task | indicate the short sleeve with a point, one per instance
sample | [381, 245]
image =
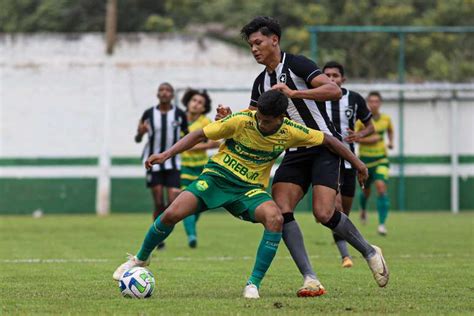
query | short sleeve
[363, 113]
[223, 129]
[146, 115]
[257, 88]
[302, 136]
[390, 125]
[184, 123]
[304, 68]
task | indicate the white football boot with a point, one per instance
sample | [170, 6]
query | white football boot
[251, 291]
[130, 263]
[379, 267]
[311, 288]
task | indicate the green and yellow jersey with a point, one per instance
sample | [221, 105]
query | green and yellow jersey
[196, 158]
[247, 154]
[376, 153]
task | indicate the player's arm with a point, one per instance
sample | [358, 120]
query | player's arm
[210, 144]
[323, 90]
[372, 139]
[356, 136]
[338, 147]
[390, 135]
[185, 143]
[143, 126]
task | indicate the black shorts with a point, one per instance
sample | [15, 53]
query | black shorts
[348, 181]
[316, 166]
[168, 178]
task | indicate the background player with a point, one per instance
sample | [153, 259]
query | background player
[373, 152]
[307, 88]
[236, 176]
[344, 113]
[164, 124]
[198, 104]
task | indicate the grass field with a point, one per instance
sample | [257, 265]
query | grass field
[64, 265]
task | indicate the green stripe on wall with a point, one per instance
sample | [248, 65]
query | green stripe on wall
[23, 196]
[86, 161]
[136, 161]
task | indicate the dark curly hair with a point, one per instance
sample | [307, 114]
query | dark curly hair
[273, 103]
[190, 93]
[263, 24]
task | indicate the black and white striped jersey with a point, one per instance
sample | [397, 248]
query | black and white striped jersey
[166, 130]
[345, 112]
[297, 72]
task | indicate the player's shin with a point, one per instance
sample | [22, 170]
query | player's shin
[340, 224]
[382, 208]
[157, 233]
[293, 239]
[265, 254]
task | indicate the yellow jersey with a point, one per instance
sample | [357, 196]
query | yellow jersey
[249, 155]
[378, 149]
[196, 158]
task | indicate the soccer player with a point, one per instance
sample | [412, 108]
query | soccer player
[236, 176]
[344, 113]
[307, 88]
[164, 124]
[198, 104]
[373, 152]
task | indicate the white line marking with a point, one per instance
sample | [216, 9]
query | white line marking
[223, 258]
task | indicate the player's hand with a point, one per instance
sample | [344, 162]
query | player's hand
[143, 128]
[282, 87]
[352, 137]
[156, 159]
[362, 175]
[390, 145]
[222, 111]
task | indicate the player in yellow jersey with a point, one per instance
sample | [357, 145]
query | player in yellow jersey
[235, 178]
[198, 104]
[373, 152]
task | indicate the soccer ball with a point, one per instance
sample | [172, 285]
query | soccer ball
[137, 282]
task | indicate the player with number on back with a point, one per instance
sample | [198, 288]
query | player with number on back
[235, 178]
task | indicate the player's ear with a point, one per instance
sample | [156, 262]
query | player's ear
[275, 40]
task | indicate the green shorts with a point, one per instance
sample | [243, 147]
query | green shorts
[379, 168]
[189, 174]
[240, 199]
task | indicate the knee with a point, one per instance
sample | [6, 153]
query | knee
[323, 215]
[274, 220]
[169, 218]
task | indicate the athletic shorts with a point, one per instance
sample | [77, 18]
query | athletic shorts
[348, 182]
[239, 199]
[189, 174]
[168, 178]
[378, 172]
[316, 166]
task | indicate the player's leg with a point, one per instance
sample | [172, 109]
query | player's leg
[270, 216]
[289, 186]
[189, 174]
[155, 181]
[383, 202]
[364, 197]
[185, 204]
[325, 182]
[340, 242]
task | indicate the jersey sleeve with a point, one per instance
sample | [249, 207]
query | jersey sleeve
[256, 89]
[363, 113]
[184, 123]
[146, 115]
[305, 68]
[301, 136]
[224, 128]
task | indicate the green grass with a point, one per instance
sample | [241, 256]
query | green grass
[430, 256]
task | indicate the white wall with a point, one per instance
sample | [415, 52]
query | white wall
[52, 93]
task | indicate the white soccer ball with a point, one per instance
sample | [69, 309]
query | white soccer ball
[137, 282]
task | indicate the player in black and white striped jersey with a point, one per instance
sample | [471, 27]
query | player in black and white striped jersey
[164, 124]
[307, 88]
[344, 113]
